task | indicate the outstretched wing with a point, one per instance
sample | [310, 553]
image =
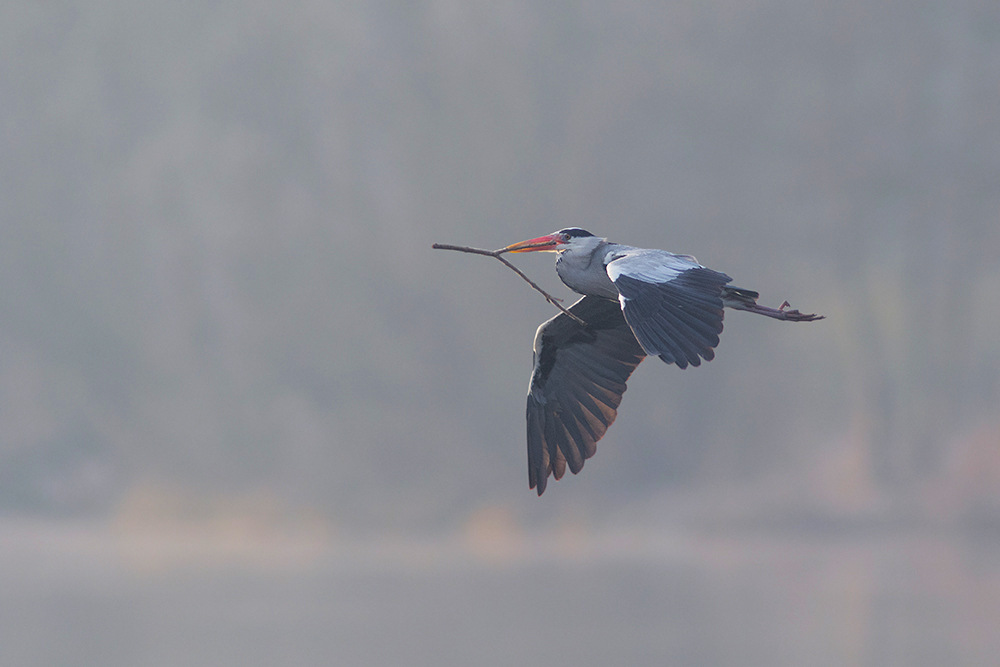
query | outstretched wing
[576, 386]
[672, 303]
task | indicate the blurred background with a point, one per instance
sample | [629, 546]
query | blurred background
[248, 416]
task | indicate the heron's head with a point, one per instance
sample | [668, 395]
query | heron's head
[569, 239]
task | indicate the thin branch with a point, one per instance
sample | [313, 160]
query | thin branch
[496, 253]
[462, 248]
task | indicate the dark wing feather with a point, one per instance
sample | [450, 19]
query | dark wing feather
[576, 386]
[678, 319]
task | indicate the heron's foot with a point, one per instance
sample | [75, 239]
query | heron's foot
[795, 316]
[782, 313]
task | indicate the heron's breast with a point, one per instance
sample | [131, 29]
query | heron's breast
[586, 278]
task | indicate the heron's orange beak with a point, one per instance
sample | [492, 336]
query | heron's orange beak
[542, 243]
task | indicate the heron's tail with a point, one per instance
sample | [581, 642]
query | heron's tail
[738, 298]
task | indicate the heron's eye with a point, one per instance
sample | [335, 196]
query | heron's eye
[565, 238]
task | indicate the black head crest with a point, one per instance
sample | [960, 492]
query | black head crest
[575, 232]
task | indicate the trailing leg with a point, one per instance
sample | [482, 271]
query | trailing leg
[744, 299]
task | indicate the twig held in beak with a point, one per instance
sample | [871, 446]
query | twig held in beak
[496, 253]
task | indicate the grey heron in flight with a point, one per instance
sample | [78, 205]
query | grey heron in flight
[636, 302]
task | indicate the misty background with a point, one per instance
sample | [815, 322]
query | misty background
[223, 331]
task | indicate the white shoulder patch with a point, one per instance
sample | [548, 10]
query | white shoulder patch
[612, 255]
[650, 266]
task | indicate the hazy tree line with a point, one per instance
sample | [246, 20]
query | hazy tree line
[216, 218]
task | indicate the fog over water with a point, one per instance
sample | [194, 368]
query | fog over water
[630, 597]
